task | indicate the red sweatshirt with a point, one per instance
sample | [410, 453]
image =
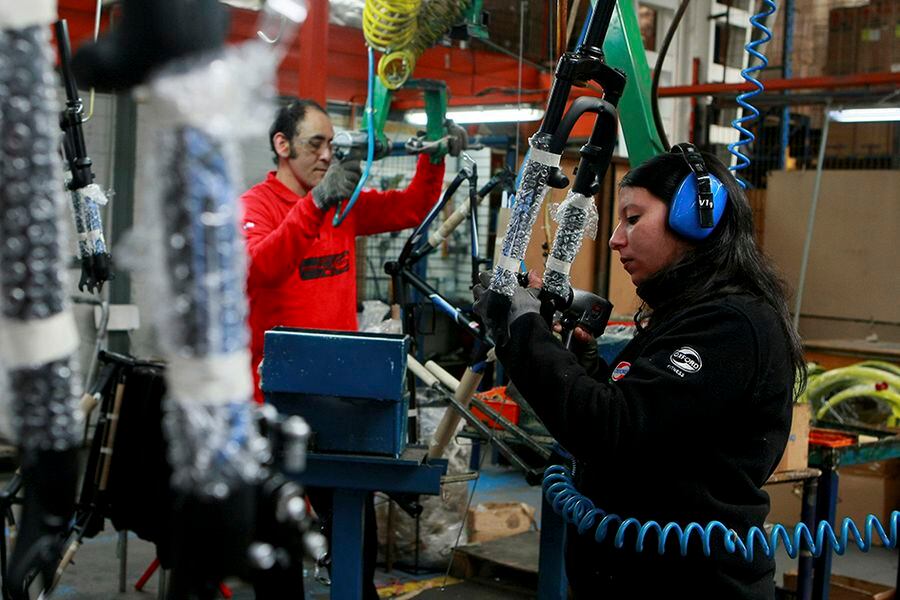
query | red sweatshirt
[302, 269]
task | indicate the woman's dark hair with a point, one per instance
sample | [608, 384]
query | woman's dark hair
[728, 261]
[292, 112]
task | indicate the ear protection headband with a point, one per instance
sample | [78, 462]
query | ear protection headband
[700, 201]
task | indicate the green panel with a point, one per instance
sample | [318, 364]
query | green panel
[436, 112]
[381, 105]
[624, 49]
[473, 19]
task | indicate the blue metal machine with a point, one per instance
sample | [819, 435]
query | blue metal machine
[351, 389]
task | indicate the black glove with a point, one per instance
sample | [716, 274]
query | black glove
[458, 139]
[338, 184]
[586, 353]
[498, 312]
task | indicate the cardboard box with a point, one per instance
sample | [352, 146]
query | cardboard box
[842, 587]
[493, 520]
[785, 500]
[874, 139]
[841, 140]
[886, 469]
[872, 488]
[869, 489]
[874, 51]
[843, 32]
[796, 453]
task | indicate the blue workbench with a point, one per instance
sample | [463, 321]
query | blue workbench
[353, 477]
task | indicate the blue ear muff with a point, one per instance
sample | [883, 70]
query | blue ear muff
[684, 212]
[699, 203]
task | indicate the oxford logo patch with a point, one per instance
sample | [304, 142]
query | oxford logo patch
[686, 359]
[620, 371]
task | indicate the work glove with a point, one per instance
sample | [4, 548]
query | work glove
[457, 138]
[584, 347]
[338, 184]
[498, 312]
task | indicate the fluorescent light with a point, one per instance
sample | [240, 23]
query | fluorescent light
[478, 114]
[295, 10]
[865, 115]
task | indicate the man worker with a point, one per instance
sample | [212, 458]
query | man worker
[302, 269]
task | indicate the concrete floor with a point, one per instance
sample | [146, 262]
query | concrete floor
[94, 573]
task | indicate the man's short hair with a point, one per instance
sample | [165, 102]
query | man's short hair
[291, 112]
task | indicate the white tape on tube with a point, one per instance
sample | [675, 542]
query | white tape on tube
[581, 201]
[543, 157]
[509, 263]
[93, 236]
[447, 227]
[37, 341]
[560, 266]
[215, 379]
[93, 192]
[19, 14]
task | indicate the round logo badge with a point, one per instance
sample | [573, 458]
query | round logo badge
[620, 371]
[687, 359]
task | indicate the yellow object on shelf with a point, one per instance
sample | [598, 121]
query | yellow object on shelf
[389, 24]
[403, 29]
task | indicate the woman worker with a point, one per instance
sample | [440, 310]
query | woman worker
[692, 417]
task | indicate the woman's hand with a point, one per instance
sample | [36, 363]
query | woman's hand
[497, 311]
[584, 347]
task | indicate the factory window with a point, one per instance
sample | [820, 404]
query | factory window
[728, 46]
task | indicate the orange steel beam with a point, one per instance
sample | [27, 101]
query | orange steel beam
[312, 70]
[795, 83]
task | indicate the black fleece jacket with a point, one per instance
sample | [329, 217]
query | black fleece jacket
[687, 425]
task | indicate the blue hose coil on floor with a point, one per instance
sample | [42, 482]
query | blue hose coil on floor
[746, 136]
[578, 511]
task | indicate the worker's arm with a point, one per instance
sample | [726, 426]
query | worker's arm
[652, 401]
[378, 212]
[275, 249]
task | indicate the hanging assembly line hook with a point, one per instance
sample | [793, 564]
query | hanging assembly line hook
[262, 35]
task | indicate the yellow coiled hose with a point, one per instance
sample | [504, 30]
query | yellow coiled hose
[404, 29]
[390, 24]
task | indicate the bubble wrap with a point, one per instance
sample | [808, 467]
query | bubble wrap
[38, 337]
[88, 224]
[577, 216]
[442, 519]
[529, 198]
[196, 258]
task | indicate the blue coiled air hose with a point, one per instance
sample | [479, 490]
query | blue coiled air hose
[579, 511]
[751, 113]
[340, 215]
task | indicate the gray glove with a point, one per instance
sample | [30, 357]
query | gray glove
[338, 184]
[458, 139]
[524, 301]
[498, 312]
